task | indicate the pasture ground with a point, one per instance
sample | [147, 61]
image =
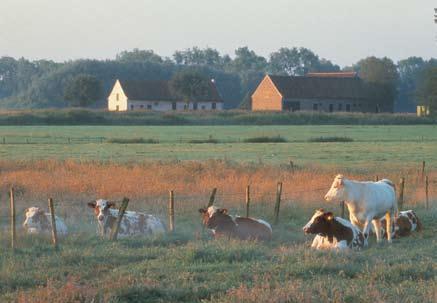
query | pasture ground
[371, 145]
[188, 266]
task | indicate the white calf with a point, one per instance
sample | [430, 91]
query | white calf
[133, 223]
[367, 202]
[37, 221]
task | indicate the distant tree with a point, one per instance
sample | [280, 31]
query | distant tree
[196, 56]
[382, 75]
[83, 90]
[427, 89]
[247, 60]
[190, 86]
[409, 72]
[137, 55]
[298, 62]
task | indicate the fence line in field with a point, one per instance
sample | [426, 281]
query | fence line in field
[275, 197]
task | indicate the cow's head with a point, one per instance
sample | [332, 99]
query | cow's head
[212, 216]
[337, 191]
[101, 210]
[320, 223]
[36, 220]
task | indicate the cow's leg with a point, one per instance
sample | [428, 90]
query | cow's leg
[388, 218]
[366, 228]
[377, 225]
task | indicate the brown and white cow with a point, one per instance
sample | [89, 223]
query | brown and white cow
[406, 222]
[38, 221]
[223, 225]
[133, 223]
[334, 232]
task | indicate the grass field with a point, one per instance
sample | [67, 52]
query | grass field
[371, 145]
[188, 266]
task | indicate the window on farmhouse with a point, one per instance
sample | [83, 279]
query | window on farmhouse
[195, 106]
[142, 106]
[149, 106]
[214, 105]
[132, 107]
[117, 97]
[348, 107]
[340, 106]
[203, 107]
[315, 106]
[331, 108]
[173, 106]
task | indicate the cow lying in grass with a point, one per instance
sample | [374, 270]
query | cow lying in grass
[133, 223]
[39, 222]
[367, 202]
[333, 232]
[406, 222]
[223, 225]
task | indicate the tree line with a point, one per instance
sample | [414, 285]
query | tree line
[45, 83]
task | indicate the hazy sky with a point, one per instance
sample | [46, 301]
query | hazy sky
[343, 31]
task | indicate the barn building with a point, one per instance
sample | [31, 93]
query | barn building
[157, 96]
[328, 92]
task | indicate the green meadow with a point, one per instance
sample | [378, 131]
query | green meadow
[367, 145]
[190, 267]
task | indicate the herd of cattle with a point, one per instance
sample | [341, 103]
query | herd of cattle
[372, 209]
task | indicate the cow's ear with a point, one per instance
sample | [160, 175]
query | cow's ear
[202, 210]
[329, 216]
[92, 204]
[223, 211]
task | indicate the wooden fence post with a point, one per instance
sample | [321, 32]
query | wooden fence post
[278, 201]
[247, 200]
[13, 229]
[342, 209]
[426, 193]
[423, 170]
[292, 166]
[53, 223]
[121, 211]
[376, 178]
[171, 211]
[401, 193]
[212, 197]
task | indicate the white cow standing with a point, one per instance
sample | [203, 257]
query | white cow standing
[367, 202]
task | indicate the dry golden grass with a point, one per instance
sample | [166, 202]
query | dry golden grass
[71, 180]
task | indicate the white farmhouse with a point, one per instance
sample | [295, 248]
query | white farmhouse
[157, 96]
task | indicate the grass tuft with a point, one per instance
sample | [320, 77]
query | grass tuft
[330, 139]
[132, 141]
[266, 139]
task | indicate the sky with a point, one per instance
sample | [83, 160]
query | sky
[342, 31]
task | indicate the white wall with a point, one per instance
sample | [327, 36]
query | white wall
[117, 100]
[168, 106]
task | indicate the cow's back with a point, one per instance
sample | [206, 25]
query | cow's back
[248, 228]
[374, 197]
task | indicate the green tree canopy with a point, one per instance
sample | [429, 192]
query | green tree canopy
[190, 85]
[427, 89]
[137, 55]
[83, 90]
[382, 76]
